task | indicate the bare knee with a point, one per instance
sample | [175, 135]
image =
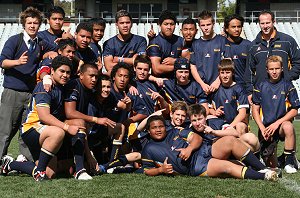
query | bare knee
[241, 128]
[288, 128]
[251, 141]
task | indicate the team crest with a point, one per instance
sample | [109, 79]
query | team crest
[172, 53]
[192, 97]
[244, 54]
[235, 57]
[277, 46]
[131, 52]
[217, 50]
[282, 92]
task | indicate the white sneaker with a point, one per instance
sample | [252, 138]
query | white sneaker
[277, 170]
[271, 176]
[290, 169]
[82, 175]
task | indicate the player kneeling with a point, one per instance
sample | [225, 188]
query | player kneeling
[44, 130]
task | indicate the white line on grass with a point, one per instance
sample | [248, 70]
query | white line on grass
[290, 184]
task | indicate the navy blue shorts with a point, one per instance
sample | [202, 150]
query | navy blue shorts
[200, 160]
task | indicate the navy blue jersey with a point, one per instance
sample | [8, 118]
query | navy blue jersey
[138, 106]
[155, 152]
[238, 53]
[282, 45]
[52, 99]
[76, 92]
[96, 48]
[191, 93]
[49, 37]
[163, 47]
[206, 55]
[127, 49]
[274, 99]
[143, 88]
[87, 55]
[232, 99]
[22, 77]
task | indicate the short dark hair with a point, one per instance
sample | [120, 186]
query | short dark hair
[97, 21]
[166, 14]
[154, 118]
[85, 66]
[196, 109]
[55, 9]
[230, 18]
[267, 12]
[84, 26]
[189, 21]
[122, 13]
[124, 66]
[98, 86]
[226, 64]
[206, 14]
[63, 43]
[31, 12]
[142, 59]
[59, 61]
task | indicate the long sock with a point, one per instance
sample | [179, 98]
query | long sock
[24, 167]
[289, 156]
[248, 173]
[121, 161]
[44, 159]
[115, 150]
[251, 160]
[78, 149]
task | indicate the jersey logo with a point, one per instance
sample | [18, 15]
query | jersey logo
[233, 97]
[258, 49]
[235, 57]
[179, 48]
[207, 55]
[244, 54]
[74, 97]
[277, 46]
[131, 52]
[217, 50]
[192, 97]
[172, 53]
[141, 96]
[282, 92]
[274, 97]
[173, 148]
[226, 101]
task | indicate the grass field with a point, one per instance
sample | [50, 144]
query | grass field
[135, 185]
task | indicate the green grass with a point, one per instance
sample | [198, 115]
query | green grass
[134, 185]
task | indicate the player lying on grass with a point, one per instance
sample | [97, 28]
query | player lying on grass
[44, 129]
[140, 137]
[271, 97]
[185, 152]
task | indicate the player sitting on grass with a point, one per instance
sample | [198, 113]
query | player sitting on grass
[230, 103]
[44, 130]
[185, 152]
[271, 98]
